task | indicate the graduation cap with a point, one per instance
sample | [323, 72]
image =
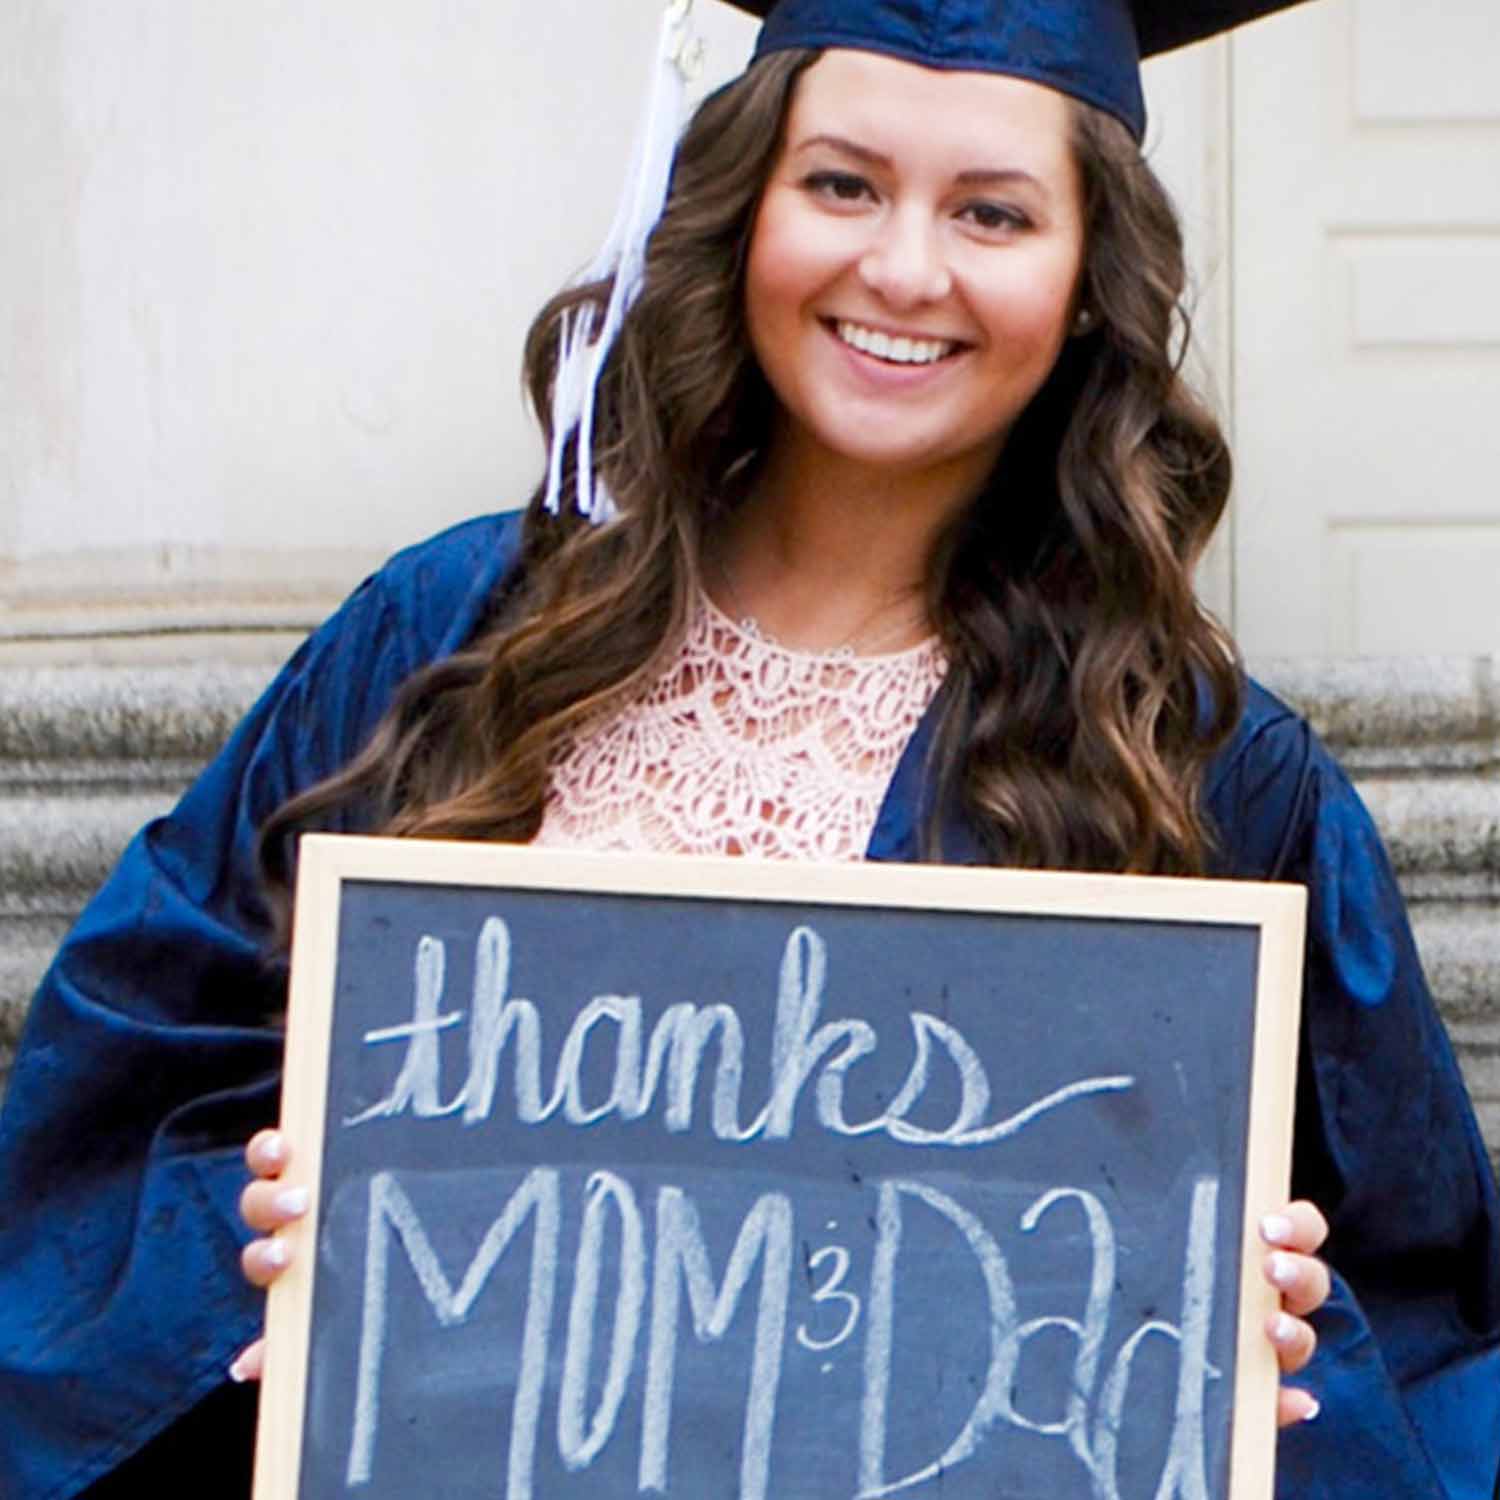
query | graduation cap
[1088, 49]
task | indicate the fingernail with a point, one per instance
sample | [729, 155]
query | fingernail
[237, 1371]
[291, 1203]
[1312, 1411]
[1276, 1229]
[273, 1149]
[1284, 1271]
[275, 1254]
[1283, 1328]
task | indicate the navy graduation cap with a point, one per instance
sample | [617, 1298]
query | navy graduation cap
[1089, 49]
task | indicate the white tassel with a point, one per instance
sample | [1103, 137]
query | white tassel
[583, 348]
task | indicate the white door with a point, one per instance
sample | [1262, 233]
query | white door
[1366, 328]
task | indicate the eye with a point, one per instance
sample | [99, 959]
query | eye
[838, 187]
[995, 217]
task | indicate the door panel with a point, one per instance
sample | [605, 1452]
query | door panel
[1367, 328]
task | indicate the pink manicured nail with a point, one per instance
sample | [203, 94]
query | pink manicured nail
[1283, 1329]
[1284, 1270]
[1311, 1412]
[291, 1203]
[237, 1371]
[275, 1254]
[1276, 1229]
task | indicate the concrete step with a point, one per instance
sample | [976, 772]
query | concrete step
[109, 727]
[55, 850]
[1436, 715]
[1394, 714]
[1477, 1044]
[1460, 947]
[1443, 833]
[26, 948]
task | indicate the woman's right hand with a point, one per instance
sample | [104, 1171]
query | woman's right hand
[266, 1206]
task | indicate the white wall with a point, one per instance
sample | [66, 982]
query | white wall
[265, 269]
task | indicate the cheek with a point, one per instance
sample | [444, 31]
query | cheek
[1037, 315]
[779, 281]
[773, 280]
[763, 281]
[794, 257]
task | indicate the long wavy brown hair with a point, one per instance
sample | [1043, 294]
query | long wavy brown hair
[1087, 687]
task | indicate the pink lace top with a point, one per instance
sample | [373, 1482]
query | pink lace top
[744, 746]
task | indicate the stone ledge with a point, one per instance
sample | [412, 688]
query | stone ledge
[98, 779]
[1460, 948]
[264, 650]
[1477, 1046]
[67, 717]
[1447, 829]
[1438, 713]
[63, 824]
[1429, 713]
[55, 851]
[25, 952]
[1435, 713]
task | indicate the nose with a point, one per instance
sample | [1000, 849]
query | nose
[905, 265]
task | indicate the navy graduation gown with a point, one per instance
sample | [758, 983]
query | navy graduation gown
[148, 1060]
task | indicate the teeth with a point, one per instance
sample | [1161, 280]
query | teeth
[899, 351]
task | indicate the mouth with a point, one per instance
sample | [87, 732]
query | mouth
[893, 349]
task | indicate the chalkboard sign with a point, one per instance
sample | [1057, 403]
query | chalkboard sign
[713, 1178]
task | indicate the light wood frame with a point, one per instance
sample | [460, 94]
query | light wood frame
[328, 862]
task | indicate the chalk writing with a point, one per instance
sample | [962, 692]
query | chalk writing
[802, 1216]
[1095, 1400]
[832, 1290]
[672, 1058]
[391, 1211]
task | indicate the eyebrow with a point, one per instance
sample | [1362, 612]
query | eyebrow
[972, 177]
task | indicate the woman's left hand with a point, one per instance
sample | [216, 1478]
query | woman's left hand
[1295, 1235]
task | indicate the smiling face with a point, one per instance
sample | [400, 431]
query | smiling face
[914, 265]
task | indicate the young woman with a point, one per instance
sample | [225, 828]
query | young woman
[905, 494]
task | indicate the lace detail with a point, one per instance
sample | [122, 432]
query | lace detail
[744, 747]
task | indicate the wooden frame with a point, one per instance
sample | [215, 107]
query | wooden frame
[331, 866]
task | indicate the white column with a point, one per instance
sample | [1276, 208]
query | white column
[1187, 141]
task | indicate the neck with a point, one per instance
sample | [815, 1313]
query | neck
[825, 553]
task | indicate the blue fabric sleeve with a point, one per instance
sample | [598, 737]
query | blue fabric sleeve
[151, 1053]
[1408, 1364]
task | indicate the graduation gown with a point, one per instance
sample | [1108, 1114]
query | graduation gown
[147, 1062]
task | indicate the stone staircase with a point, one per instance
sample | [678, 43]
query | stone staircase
[1421, 738]
[90, 752]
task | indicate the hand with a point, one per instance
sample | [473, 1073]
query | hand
[1295, 1235]
[266, 1206]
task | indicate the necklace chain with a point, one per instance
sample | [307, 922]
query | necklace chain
[843, 650]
